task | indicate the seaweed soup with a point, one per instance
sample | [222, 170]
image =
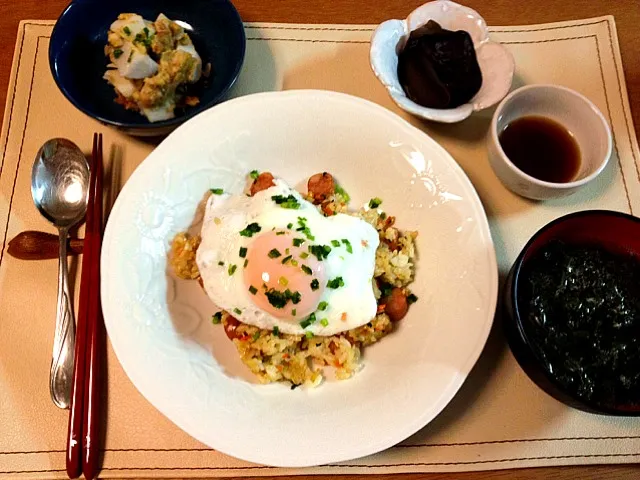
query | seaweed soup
[580, 308]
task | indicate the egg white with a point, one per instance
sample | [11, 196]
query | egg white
[226, 215]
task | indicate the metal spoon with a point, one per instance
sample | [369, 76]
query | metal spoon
[59, 186]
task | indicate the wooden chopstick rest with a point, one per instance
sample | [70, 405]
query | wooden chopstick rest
[34, 245]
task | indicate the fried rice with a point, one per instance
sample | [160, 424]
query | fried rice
[273, 356]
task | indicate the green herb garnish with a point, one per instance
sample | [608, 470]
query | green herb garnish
[322, 306]
[298, 241]
[242, 252]
[304, 255]
[246, 262]
[216, 318]
[279, 299]
[335, 243]
[117, 52]
[254, 174]
[221, 263]
[276, 331]
[256, 335]
[308, 334]
[250, 230]
[320, 251]
[315, 284]
[286, 259]
[335, 283]
[375, 202]
[347, 244]
[289, 201]
[253, 290]
[216, 191]
[293, 312]
[237, 310]
[308, 321]
[341, 191]
[306, 269]
[232, 269]
[289, 226]
[302, 227]
[274, 253]
[324, 322]
[126, 30]
[411, 298]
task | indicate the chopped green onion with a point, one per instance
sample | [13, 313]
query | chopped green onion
[385, 290]
[304, 255]
[335, 243]
[341, 191]
[286, 251]
[283, 281]
[293, 312]
[308, 334]
[117, 52]
[383, 215]
[281, 233]
[250, 230]
[320, 251]
[286, 259]
[289, 226]
[237, 310]
[253, 290]
[126, 30]
[256, 335]
[294, 263]
[306, 269]
[246, 262]
[242, 252]
[315, 284]
[289, 201]
[254, 174]
[322, 306]
[347, 244]
[216, 318]
[375, 202]
[298, 241]
[324, 322]
[308, 321]
[276, 331]
[216, 191]
[130, 56]
[274, 253]
[221, 263]
[280, 299]
[232, 269]
[302, 227]
[412, 299]
[335, 283]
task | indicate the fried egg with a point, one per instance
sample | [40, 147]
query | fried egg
[274, 261]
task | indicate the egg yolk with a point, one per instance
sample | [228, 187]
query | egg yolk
[282, 277]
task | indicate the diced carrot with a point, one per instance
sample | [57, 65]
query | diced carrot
[343, 317]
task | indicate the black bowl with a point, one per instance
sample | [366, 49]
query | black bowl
[77, 60]
[615, 232]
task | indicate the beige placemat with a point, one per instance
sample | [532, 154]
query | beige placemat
[499, 419]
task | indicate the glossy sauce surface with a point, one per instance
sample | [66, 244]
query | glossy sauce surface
[542, 148]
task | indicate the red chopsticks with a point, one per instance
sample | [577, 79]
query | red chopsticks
[83, 440]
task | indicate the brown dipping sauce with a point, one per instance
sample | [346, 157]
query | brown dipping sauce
[542, 148]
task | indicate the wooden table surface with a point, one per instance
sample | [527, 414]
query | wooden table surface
[496, 12]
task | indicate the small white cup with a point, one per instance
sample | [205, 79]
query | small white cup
[571, 110]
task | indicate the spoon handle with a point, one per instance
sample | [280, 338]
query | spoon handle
[61, 374]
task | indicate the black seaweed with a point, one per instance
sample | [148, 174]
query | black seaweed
[438, 68]
[581, 309]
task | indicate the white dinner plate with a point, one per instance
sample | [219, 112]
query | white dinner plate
[186, 367]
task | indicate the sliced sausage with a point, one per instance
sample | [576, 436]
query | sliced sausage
[321, 186]
[264, 181]
[230, 326]
[396, 304]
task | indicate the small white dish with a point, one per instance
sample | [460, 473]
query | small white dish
[160, 326]
[570, 109]
[496, 62]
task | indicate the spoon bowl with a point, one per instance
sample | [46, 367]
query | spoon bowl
[59, 187]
